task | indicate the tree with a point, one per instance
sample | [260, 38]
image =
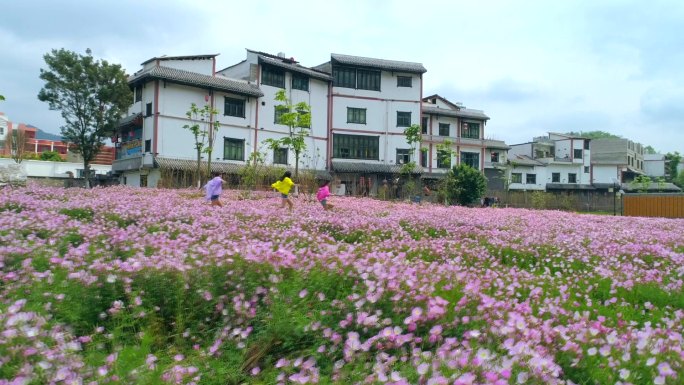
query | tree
[641, 183]
[92, 96]
[2, 98]
[680, 179]
[413, 138]
[593, 134]
[203, 129]
[650, 150]
[465, 184]
[16, 142]
[297, 117]
[672, 160]
[52, 156]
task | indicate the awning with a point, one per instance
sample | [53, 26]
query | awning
[132, 120]
[191, 165]
[370, 167]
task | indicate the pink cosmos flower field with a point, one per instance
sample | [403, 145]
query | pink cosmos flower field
[145, 286]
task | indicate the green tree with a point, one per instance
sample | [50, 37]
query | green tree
[672, 160]
[297, 117]
[641, 183]
[92, 95]
[679, 181]
[2, 98]
[465, 185]
[413, 138]
[16, 142]
[52, 156]
[593, 134]
[203, 127]
[650, 150]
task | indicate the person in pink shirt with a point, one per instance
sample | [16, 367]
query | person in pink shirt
[323, 194]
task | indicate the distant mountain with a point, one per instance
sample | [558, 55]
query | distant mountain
[40, 134]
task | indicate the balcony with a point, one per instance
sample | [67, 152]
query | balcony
[499, 165]
[456, 141]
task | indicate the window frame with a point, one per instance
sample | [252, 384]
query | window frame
[303, 79]
[279, 154]
[352, 110]
[555, 177]
[494, 156]
[516, 177]
[149, 110]
[467, 131]
[443, 126]
[401, 117]
[278, 112]
[368, 80]
[574, 176]
[364, 147]
[442, 161]
[236, 103]
[424, 124]
[578, 151]
[532, 180]
[466, 158]
[272, 76]
[403, 154]
[424, 158]
[402, 81]
[236, 142]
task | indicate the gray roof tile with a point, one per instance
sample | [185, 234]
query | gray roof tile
[191, 165]
[462, 113]
[389, 65]
[195, 79]
[339, 165]
[295, 68]
[184, 57]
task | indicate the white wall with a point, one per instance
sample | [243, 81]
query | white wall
[45, 169]
[606, 173]
[539, 171]
[202, 66]
[388, 88]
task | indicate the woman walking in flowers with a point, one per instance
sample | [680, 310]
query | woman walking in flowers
[214, 188]
[323, 194]
[283, 186]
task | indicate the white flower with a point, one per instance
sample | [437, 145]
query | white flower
[624, 374]
[591, 351]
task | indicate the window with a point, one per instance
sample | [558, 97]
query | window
[555, 177]
[2, 130]
[516, 177]
[272, 76]
[356, 78]
[356, 146]
[586, 169]
[495, 157]
[234, 107]
[424, 158]
[148, 109]
[572, 178]
[344, 77]
[403, 119]
[280, 156]
[148, 145]
[138, 93]
[444, 129]
[403, 155]
[586, 144]
[424, 121]
[300, 82]
[143, 180]
[404, 81]
[233, 149]
[531, 178]
[472, 159]
[278, 112]
[356, 115]
[443, 159]
[578, 153]
[368, 80]
[470, 130]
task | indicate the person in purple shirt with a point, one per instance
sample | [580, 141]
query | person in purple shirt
[214, 188]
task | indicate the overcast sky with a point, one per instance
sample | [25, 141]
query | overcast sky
[532, 66]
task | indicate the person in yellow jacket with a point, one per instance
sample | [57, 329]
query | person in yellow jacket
[283, 186]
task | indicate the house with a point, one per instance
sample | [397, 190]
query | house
[654, 165]
[452, 134]
[496, 164]
[372, 102]
[553, 162]
[151, 138]
[616, 159]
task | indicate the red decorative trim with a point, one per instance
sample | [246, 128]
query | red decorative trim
[378, 99]
[156, 115]
[256, 117]
[368, 131]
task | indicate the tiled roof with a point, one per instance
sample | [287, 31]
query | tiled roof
[462, 113]
[295, 68]
[186, 57]
[569, 186]
[191, 165]
[500, 144]
[195, 79]
[389, 65]
[129, 120]
[339, 165]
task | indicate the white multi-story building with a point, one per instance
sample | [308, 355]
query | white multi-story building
[452, 134]
[616, 159]
[553, 162]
